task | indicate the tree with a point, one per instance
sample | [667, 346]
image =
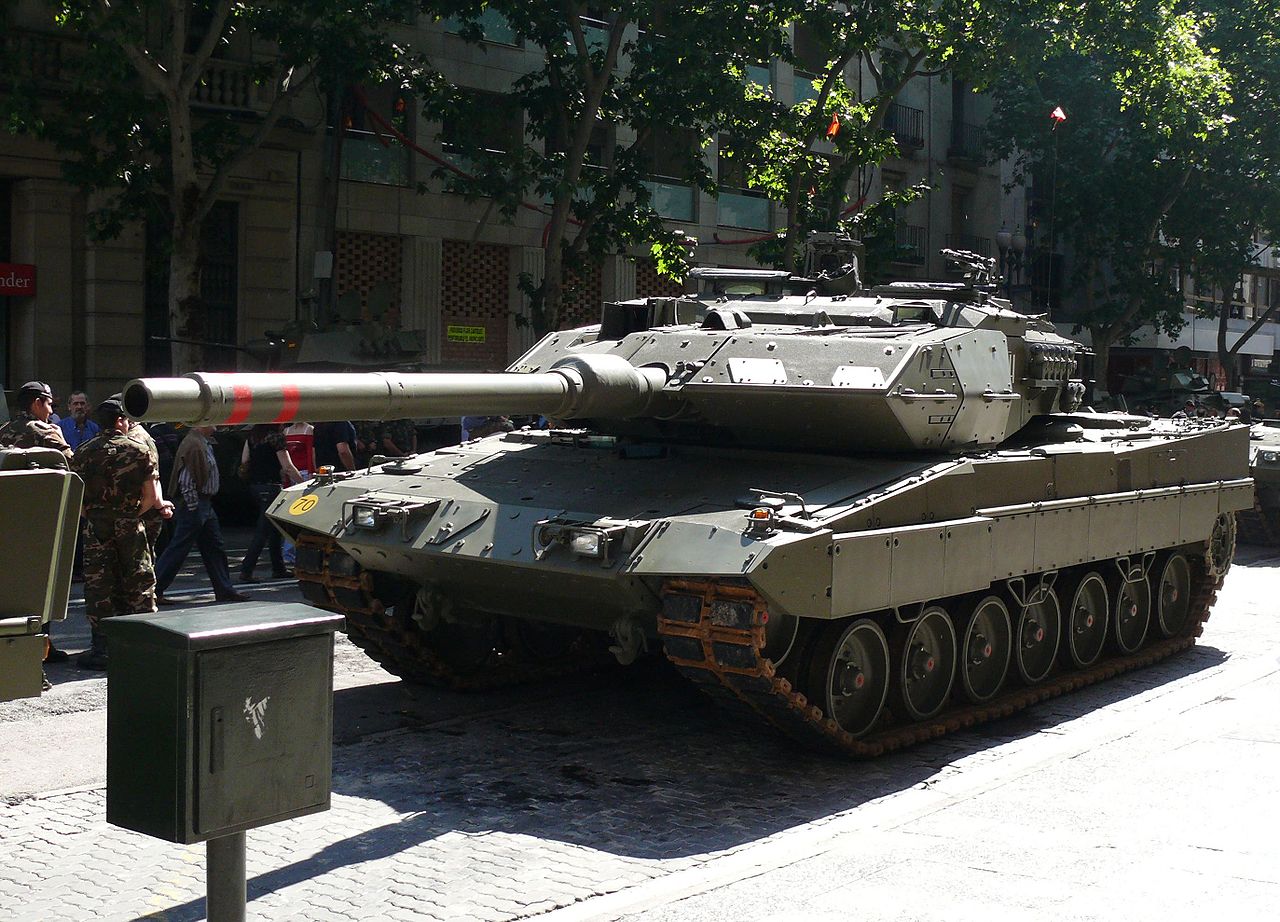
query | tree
[1146, 100]
[648, 81]
[1237, 197]
[139, 143]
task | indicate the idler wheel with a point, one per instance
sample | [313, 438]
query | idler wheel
[1085, 629]
[928, 664]
[1131, 613]
[849, 674]
[1173, 597]
[985, 648]
[1222, 546]
[1035, 637]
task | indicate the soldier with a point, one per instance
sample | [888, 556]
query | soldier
[399, 438]
[120, 487]
[30, 427]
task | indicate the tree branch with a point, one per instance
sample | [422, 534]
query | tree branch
[196, 65]
[148, 68]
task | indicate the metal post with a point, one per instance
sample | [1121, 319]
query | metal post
[225, 879]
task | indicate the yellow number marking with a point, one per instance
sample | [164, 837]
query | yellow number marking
[303, 505]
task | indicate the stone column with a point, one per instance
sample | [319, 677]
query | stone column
[46, 234]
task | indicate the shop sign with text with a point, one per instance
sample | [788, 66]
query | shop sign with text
[17, 280]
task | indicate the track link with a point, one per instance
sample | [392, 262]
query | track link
[331, 579]
[713, 632]
[1259, 526]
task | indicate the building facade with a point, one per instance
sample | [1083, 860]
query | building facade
[426, 261]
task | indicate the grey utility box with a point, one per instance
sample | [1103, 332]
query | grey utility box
[219, 719]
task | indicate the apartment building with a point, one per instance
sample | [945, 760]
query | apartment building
[420, 261]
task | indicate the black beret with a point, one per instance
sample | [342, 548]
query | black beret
[33, 389]
[107, 412]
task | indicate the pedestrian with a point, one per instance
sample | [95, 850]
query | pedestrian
[78, 428]
[366, 441]
[300, 441]
[1234, 414]
[120, 487]
[31, 428]
[335, 444]
[399, 438]
[265, 463]
[193, 485]
[1259, 410]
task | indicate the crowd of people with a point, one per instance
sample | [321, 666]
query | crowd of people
[132, 540]
[1193, 409]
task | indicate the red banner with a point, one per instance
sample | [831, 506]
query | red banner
[17, 280]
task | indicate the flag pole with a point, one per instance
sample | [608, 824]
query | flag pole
[1057, 117]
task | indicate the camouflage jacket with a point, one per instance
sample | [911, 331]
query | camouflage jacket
[114, 469]
[401, 432]
[25, 431]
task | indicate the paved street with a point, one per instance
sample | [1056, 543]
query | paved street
[625, 796]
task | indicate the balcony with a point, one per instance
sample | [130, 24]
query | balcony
[968, 143]
[35, 55]
[979, 245]
[225, 85]
[367, 159]
[911, 241]
[906, 124]
[671, 200]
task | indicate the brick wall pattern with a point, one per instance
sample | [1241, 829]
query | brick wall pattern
[649, 284]
[474, 292]
[583, 295]
[369, 262]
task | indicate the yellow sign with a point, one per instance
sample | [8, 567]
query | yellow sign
[457, 334]
[303, 505]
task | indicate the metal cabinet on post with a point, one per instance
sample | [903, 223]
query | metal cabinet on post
[219, 720]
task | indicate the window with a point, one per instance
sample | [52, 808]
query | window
[486, 121]
[811, 62]
[492, 24]
[370, 153]
[670, 154]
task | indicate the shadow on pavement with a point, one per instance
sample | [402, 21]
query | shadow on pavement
[634, 763]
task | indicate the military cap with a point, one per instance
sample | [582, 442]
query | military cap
[106, 413]
[33, 390]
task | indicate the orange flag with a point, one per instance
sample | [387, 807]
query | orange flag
[833, 128]
[1058, 116]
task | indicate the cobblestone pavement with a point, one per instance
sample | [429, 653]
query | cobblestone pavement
[624, 795]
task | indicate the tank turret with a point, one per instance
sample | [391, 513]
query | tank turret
[898, 369]
[869, 516]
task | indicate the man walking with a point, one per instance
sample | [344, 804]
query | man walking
[193, 486]
[119, 489]
[78, 428]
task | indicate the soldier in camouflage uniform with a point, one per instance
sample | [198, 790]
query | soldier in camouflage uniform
[120, 487]
[399, 437]
[31, 428]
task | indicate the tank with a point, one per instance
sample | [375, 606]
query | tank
[38, 490]
[864, 518]
[1261, 524]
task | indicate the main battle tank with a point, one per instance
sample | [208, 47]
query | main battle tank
[867, 518]
[1261, 524]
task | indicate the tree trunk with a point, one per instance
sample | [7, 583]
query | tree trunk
[186, 316]
[1225, 356]
[1101, 361]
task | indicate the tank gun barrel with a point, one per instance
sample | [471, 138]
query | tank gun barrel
[580, 386]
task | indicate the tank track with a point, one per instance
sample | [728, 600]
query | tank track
[713, 632]
[1259, 526]
[331, 579]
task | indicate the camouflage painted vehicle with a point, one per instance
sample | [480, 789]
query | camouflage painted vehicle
[1261, 524]
[39, 491]
[865, 518]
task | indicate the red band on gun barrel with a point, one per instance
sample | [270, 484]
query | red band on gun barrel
[240, 408]
[289, 393]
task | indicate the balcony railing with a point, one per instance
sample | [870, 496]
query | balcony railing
[35, 55]
[906, 124]
[968, 142]
[224, 85]
[671, 200]
[912, 242]
[979, 245]
[735, 209]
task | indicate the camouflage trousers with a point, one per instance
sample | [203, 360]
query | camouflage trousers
[119, 574]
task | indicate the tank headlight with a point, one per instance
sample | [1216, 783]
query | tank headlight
[1269, 457]
[365, 517]
[588, 543]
